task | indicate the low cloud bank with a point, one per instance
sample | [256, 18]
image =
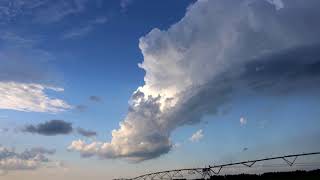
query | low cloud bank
[32, 159]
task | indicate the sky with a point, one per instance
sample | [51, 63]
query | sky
[106, 89]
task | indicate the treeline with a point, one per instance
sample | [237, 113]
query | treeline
[295, 175]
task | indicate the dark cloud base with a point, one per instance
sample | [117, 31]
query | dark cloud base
[95, 98]
[86, 133]
[56, 127]
[50, 128]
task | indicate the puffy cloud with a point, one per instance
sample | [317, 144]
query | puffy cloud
[4, 130]
[18, 164]
[86, 150]
[124, 4]
[50, 128]
[277, 3]
[197, 136]
[86, 133]
[27, 160]
[95, 98]
[29, 97]
[243, 121]
[194, 68]
[81, 108]
[177, 145]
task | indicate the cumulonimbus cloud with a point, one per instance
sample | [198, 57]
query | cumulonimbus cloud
[194, 68]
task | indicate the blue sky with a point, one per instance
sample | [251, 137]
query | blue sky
[104, 89]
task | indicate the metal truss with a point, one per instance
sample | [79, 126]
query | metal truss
[210, 171]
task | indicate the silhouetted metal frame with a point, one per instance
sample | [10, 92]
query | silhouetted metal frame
[213, 170]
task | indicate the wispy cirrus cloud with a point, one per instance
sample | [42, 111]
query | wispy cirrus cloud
[30, 97]
[84, 30]
[124, 4]
[40, 11]
[25, 76]
[74, 33]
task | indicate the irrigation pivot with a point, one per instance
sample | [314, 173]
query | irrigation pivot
[207, 172]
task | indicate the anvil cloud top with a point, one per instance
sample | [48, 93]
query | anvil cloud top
[95, 88]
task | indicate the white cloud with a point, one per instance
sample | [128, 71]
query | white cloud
[277, 3]
[197, 136]
[78, 32]
[25, 76]
[29, 97]
[193, 68]
[84, 30]
[243, 121]
[177, 145]
[4, 130]
[124, 4]
[18, 164]
[42, 11]
[100, 20]
[87, 150]
[27, 160]
[22, 60]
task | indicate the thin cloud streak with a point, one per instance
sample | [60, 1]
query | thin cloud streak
[86, 133]
[84, 30]
[30, 98]
[41, 11]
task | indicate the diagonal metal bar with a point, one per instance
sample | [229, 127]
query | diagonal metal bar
[212, 168]
[250, 164]
[290, 163]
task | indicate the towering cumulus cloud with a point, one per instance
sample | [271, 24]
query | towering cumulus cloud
[218, 48]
